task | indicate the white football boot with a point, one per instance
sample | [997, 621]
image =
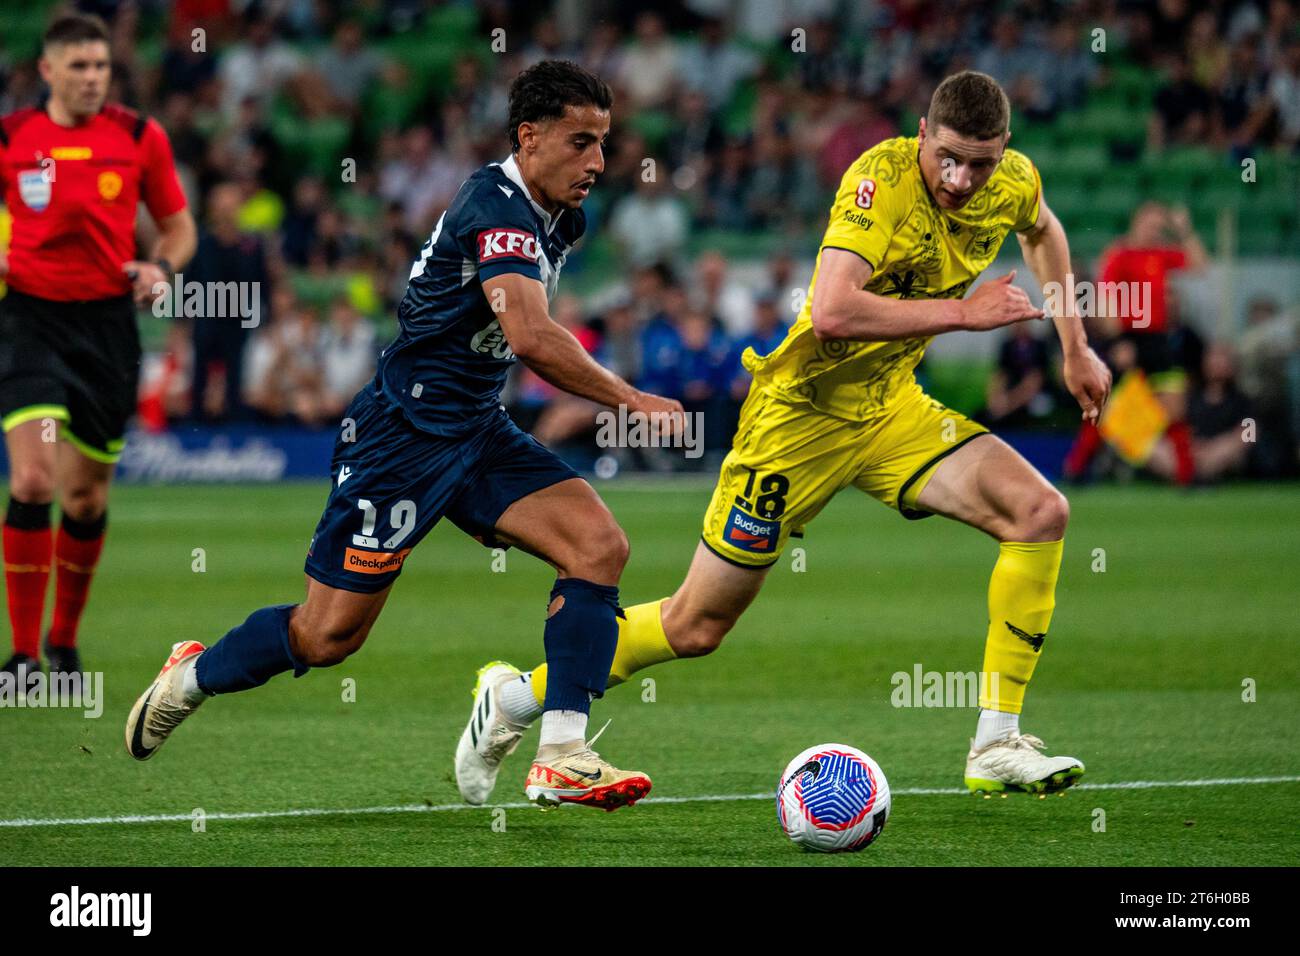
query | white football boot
[489, 736]
[1014, 763]
[162, 706]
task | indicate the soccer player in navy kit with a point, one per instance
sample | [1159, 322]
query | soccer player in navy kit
[429, 438]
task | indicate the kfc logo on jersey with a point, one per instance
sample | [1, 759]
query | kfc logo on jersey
[507, 244]
[866, 192]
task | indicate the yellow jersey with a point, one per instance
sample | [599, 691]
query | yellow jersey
[884, 213]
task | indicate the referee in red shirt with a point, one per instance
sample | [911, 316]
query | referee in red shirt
[72, 172]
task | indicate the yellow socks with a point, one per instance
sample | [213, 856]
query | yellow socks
[641, 642]
[1022, 594]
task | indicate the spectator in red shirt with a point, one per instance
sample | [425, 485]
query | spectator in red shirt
[72, 173]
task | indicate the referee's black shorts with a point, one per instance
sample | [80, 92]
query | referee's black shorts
[77, 363]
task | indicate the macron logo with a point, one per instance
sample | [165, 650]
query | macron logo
[507, 244]
[74, 909]
[344, 474]
[506, 189]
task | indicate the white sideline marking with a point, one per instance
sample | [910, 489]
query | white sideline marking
[717, 798]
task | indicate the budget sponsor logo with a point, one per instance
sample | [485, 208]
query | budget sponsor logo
[751, 534]
[374, 562]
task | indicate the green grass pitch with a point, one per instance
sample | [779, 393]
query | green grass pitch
[1142, 677]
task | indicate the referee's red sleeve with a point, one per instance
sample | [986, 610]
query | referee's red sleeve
[160, 188]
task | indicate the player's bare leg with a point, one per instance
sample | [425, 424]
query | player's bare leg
[569, 527]
[709, 603]
[28, 543]
[327, 627]
[988, 485]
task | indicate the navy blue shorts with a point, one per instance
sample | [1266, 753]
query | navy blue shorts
[392, 483]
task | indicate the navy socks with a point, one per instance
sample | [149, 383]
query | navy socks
[580, 640]
[250, 654]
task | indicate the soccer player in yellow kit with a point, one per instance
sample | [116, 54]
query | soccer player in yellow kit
[915, 221]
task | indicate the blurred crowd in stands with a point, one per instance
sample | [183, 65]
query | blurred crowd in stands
[318, 151]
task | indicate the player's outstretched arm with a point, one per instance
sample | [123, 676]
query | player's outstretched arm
[1047, 250]
[843, 309]
[553, 353]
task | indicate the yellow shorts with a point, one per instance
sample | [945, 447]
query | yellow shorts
[788, 460]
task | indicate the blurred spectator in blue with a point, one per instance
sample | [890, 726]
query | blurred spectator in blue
[1014, 63]
[662, 347]
[545, 43]
[827, 66]
[721, 296]
[705, 359]
[298, 231]
[1018, 392]
[724, 203]
[768, 332]
[1183, 109]
[1242, 104]
[188, 144]
[696, 137]
[185, 69]
[714, 64]
[347, 66]
[1073, 68]
[225, 254]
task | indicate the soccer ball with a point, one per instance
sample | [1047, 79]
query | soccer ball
[833, 799]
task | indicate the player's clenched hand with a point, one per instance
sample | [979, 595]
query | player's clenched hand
[997, 303]
[1088, 379]
[665, 416]
[148, 281]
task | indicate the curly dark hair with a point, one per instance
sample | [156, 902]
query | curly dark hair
[544, 89]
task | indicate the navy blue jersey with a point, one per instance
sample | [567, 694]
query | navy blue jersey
[447, 366]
